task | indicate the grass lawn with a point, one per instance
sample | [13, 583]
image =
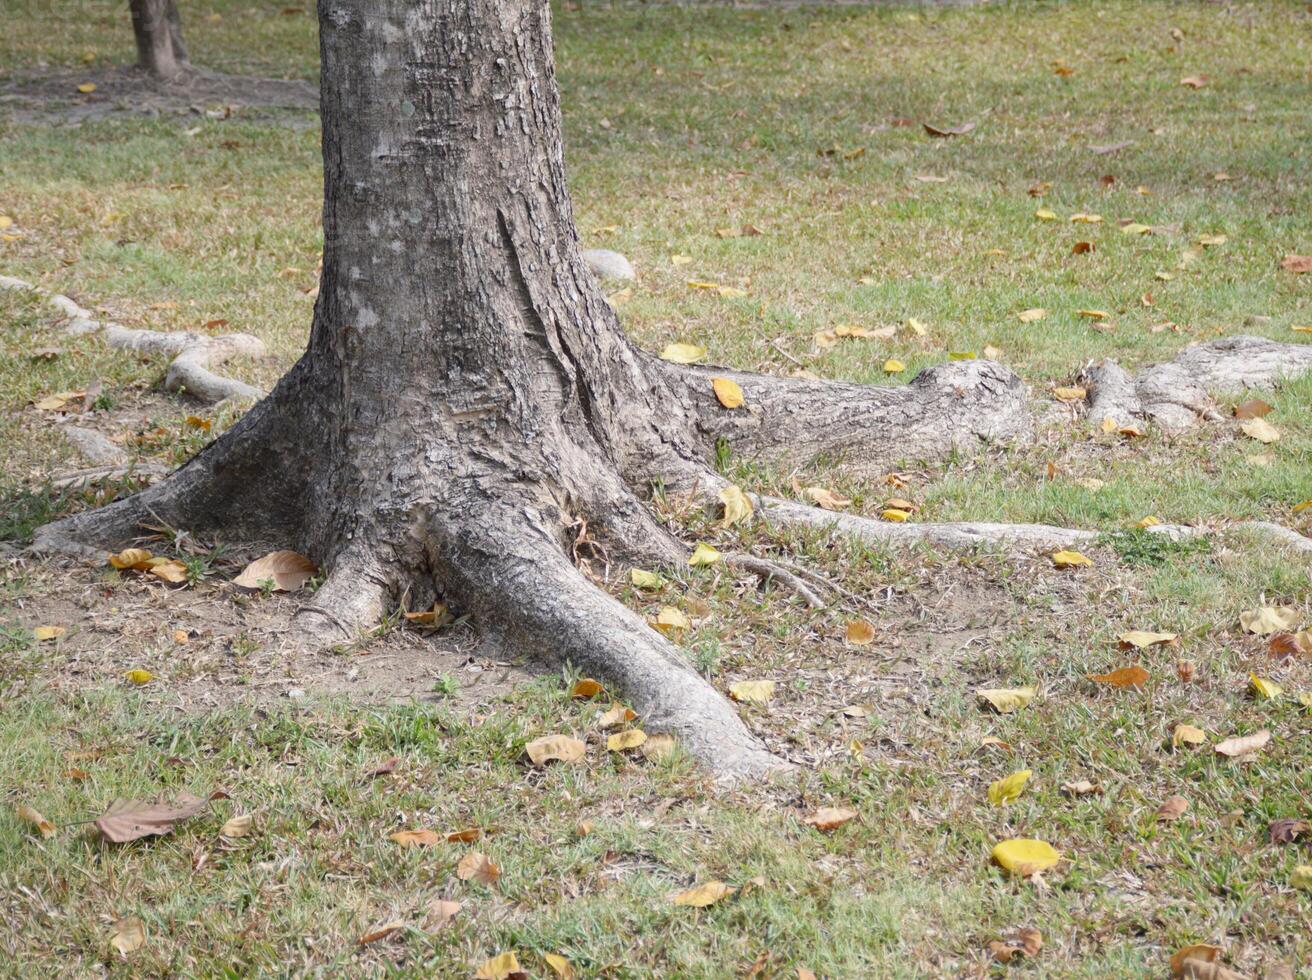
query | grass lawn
[806, 125]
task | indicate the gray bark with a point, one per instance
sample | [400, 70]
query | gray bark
[157, 28]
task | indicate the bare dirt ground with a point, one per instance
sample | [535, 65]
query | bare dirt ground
[52, 95]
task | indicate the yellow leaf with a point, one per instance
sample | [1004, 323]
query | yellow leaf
[1300, 507]
[671, 620]
[586, 687]
[559, 966]
[1147, 522]
[238, 826]
[961, 355]
[86, 88]
[826, 499]
[657, 747]
[1261, 430]
[620, 296]
[196, 422]
[170, 570]
[731, 292]
[439, 615]
[680, 259]
[1141, 639]
[895, 514]
[645, 580]
[503, 966]
[860, 633]
[703, 895]
[1307, 329]
[1269, 619]
[753, 692]
[702, 284]
[1123, 677]
[1070, 559]
[1045, 214]
[32, 816]
[1263, 689]
[6, 221]
[1074, 394]
[1301, 877]
[1164, 276]
[1025, 856]
[1086, 219]
[1187, 735]
[894, 366]
[416, 838]
[1209, 240]
[1030, 316]
[623, 741]
[139, 676]
[1134, 228]
[683, 353]
[131, 558]
[1093, 314]
[1007, 699]
[128, 935]
[737, 505]
[703, 555]
[44, 633]
[617, 714]
[727, 392]
[1009, 788]
[554, 748]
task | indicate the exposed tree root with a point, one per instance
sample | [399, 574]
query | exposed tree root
[193, 353]
[773, 572]
[1177, 393]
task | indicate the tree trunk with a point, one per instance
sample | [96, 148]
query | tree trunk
[468, 400]
[158, 30]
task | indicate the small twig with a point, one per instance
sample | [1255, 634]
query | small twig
[769, 570]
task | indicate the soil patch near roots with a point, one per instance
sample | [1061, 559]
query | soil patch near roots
[52, 95]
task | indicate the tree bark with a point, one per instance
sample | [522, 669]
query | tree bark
[468, 401]
[158, 31]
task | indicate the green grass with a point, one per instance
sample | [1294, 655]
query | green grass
[680, 122]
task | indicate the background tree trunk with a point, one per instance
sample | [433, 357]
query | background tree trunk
[158, 30]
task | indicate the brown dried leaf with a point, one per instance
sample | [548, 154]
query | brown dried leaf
[1024, 942]
[586, 688]
[286, 570]
[558, 748]
[1123, 677]
[1243, 745]
[860, 632]
[440, 912]
[657, 746]
[1172, 808]
[382, 932]
[33, 816]
[830, 817]
[129, 820]
[416, 838]
[1286, 830]
[238, 826]
[1297, 263]
[1254, 408]
[1081, 787]
[383, 768]
[704, 895]
[128, 935]
[618, 714]
[476, 866]
[943, 131]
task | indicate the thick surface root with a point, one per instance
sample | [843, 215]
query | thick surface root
[193, 354]
[352, 600]
[1178, 393]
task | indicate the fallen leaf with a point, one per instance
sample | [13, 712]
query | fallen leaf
[465, 836]
[1070, 395]
[727, 392]
[752, 692]
[826, 499]
[1135, 228]
[1030, 316]
[128, 935]
[895, 514]
[1187, 735]
[1301, 877]
[704, 894]
[1286, 830]
[559, 966]
[1086, 219]
[1080, 787]
[1297, 264]
[135, 558]
[1185, 671]
[416, 838]
[703, 555]
[942, 131]
[737, 505]
[1199, 954]
[683, 353]
[503, 966]
[438, 615]
[617, 714]
[916, 327]
[1141, 639]
[1025, 942]
[86, 88]
[477, 866]
[1207, 241]
[1046, 214]
[1025, 856]
[238, 826]
[33, 816]
[43, 634]
[1105, 148]
[138, 676]
[1264, 690]
[129, 820]
[894, 366]
[1172, 808]
[1123, 677]
[830, 818]
[1093, 314]
[1194, 81]
[658, 747]
[860, 632]
[1261, 430]
[440, 912]
[1070, 559]
[586, 687]
[1254, 408]
[671, 620]
[1007, 699]
[623, 741]
[1146, 522]
[172, 571]
[1008, 788]
[287, 571]
[555, 748]
[381, 932]
[1269, 619]
[1243, 745]
[643, 579]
